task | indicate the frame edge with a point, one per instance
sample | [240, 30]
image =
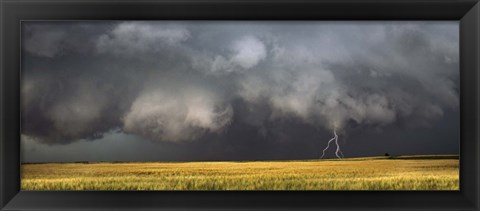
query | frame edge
[471, 17]
[470, 45]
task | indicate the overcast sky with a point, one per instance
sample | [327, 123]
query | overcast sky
[223, 90]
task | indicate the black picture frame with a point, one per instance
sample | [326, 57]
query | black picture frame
[467, 12]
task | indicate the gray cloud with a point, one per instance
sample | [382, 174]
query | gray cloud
[187, 81]
[132, 38]
[185, 115]
[45, 43]
[242, 54]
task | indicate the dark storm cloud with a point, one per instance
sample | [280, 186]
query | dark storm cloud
[247, 84]
[71, 93]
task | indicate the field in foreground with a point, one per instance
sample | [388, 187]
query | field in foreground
[376, 173]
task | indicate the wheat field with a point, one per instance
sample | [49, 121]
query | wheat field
[380, 173]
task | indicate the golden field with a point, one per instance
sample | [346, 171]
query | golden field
[375, 173]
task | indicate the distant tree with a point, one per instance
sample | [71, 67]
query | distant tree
[386, 154]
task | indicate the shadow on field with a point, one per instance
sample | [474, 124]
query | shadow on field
[399, 157]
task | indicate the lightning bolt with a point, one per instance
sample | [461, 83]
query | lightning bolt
[328, 145]
[338, 146]
[338, 152]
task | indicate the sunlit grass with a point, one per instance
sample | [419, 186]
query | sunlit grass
[346, 174]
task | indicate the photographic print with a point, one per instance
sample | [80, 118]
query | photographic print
[240, 105]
